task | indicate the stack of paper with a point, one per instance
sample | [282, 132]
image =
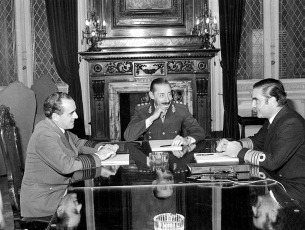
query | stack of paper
[163, 145]
[119, 159]
[215, 158]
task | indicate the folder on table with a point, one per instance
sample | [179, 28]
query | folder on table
[163, 145]
[119, 159]
[215, 158]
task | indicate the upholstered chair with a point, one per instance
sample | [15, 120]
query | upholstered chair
[21, 101]
[43, 87]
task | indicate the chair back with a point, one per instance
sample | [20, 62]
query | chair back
[14, 171]
[42, 87]
[21, 101]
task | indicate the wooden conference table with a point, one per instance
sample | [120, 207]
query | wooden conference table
[124, 197]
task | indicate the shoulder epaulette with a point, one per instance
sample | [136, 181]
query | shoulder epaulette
[143, 105]
[179, 103]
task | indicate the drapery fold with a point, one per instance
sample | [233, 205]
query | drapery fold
[62, 23]
[230, 19]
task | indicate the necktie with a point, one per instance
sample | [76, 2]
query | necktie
[67, 135]
[268, 125]
[163, 117]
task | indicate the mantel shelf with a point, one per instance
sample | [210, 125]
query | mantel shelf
[152, 53]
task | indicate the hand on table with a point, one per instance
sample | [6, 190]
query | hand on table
[228, 148]
[222, 145]
[185, 149]
[108, 151]
[179, 140]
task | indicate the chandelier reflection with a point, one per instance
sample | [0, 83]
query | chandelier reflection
[94, 32]
[206, 27]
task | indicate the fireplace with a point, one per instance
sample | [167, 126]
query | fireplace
[122, 75]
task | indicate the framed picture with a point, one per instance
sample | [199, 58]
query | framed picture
[147, 13]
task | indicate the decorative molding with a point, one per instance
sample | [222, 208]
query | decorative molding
[150, 42]
[153, 69]
[147, 13]
[177, 66]
[119, 67]
[149, 55]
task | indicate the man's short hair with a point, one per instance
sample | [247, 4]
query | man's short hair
[158, 81]
[272, 88]
[62, 222]
[53, 103]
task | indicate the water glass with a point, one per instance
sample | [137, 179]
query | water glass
[158, 160]
[169, 221]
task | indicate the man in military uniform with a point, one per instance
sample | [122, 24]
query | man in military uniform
[162, 118]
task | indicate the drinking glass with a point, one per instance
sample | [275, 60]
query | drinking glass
[169, 221]
[158, 160]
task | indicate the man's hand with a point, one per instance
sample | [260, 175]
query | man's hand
[178, 140]
[158, 111]
[232, 149]
[107, 171]
[222, 145]
[185, 149]
[108, 151]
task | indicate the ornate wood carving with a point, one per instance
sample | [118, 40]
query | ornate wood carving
[149, 69]
[130, 69]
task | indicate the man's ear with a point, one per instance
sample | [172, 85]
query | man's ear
[60, 210]
[273, 101]
[151, 95]
[55, 116]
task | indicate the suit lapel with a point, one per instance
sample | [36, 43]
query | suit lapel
[273, 126]
[62, 136]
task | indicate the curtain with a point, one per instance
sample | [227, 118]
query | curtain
[62, 22]
[230, 20]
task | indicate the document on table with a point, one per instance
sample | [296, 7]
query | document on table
[163, 145]
[119, 159]
[214, 158]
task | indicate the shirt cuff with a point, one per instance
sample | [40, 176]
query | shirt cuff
[148, 123]
[99, 148]
[190, 140]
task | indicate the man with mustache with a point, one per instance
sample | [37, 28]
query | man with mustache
[53, 155]
[163, 119]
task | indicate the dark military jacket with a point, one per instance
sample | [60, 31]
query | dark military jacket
[178, 121]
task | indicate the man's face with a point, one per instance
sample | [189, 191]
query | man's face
[162, 95]
[69, 204]
[261, 104]
[264, 207]
[66, 120]
[164, 182]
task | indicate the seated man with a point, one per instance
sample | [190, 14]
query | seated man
[279, 146]
[163, 119]
[53, 154]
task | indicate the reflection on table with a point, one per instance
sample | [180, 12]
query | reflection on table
[130, 196]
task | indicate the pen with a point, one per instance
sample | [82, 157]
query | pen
[165, 145]
[202, 154]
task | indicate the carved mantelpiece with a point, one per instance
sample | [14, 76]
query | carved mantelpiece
[128, 65]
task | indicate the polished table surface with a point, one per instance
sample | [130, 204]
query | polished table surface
[122, 197]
